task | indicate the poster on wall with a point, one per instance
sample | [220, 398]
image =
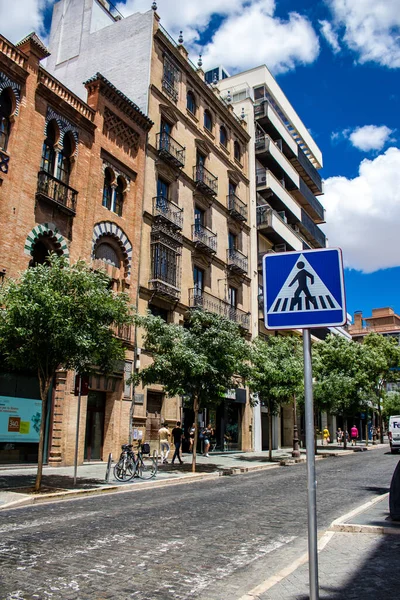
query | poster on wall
[20, 419]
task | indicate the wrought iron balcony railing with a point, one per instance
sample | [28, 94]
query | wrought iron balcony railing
[164, 289]
[206, 301]
[57, 192]
[168, 211]
[204, 238]
[170, 150]
[170, 89]
[123, 332]
[205, 181]
[237, 208]
[237, 261]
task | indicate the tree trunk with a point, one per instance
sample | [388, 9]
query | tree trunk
[269, 432]
[344, 432]
[44, 384]
[196, 431]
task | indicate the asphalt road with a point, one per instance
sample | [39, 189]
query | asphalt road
[209, 540]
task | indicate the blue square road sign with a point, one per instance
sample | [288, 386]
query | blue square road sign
[304, 289]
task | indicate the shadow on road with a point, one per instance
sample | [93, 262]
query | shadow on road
[50, 483]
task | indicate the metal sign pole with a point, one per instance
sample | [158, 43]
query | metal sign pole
[77, 428]
[311, 476]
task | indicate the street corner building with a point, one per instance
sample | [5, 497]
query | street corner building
[71, 182]
[195, 223]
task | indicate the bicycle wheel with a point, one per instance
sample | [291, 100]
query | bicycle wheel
[124, 470]
[146, 467]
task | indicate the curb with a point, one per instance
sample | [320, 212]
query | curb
[340, 525]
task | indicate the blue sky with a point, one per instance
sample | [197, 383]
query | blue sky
[338, 61]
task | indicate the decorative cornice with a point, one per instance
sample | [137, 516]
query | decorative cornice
[37, 43]
[118, 98]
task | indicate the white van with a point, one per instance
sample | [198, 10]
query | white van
[394, 433]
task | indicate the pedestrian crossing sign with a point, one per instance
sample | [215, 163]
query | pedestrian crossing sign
[304, 289]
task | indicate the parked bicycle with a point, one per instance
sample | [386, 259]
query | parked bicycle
[132, 465]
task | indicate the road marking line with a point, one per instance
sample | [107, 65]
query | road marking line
[254, 594]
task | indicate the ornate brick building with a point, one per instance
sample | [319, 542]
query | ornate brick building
[71, 182]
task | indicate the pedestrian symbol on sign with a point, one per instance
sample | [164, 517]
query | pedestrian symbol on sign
[310, 294]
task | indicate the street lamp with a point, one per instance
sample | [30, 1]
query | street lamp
[296, 449]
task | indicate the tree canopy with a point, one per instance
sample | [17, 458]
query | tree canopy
[57, 315]
[200, 360]
[276, 372]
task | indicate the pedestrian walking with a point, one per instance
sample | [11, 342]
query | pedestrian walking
[192, 432]
[207, 433]
[354, 435]
[164, 435]
[326, 436]
[177, 434]
[339, 436]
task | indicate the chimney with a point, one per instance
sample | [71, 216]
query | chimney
[358, 319]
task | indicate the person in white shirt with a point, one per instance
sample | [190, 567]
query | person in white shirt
[164, 437]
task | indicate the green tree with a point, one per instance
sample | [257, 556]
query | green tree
[391, 405]
[383, 356]
[276, 373]
[200, 361]
[341, 372]
[60, 316]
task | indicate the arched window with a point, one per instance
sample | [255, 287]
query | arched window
[108, 188]
[119, 196]
[191, 102]
[208, 122]
[6, 109]
[237, 151]
[223, 136]
[107, 253]
[64, 159]
[48, 150]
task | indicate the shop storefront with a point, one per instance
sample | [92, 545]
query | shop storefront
[225, 420]
[20, 417]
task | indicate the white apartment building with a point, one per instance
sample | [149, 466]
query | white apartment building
[284, 184]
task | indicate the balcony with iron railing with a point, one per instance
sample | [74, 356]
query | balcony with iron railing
[237, 261]
[314, 204]
[205, 301]
[56, 192]
[204, 238]
[311, 231]
[165, 274]
[123, 332]
[168, 211]
[205, 181]
[170, 150]
[170, 88]
[237, 209]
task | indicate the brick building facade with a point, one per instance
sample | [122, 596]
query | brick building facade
[71, 182]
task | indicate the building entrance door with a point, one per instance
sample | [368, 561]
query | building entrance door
[94, 438]
[153, 422]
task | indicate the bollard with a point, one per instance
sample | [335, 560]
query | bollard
[108, 470]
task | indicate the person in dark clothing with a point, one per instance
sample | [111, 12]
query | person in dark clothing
[177, 434]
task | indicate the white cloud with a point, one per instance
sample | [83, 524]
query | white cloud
[190, 16]
[330, 35]
[363, 214]
[371, 29]
[370, 137]
[255, 36]
[18, 18]
[249, 35]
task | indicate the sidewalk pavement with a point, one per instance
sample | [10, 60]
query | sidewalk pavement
[16, 483]
[358, 560]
